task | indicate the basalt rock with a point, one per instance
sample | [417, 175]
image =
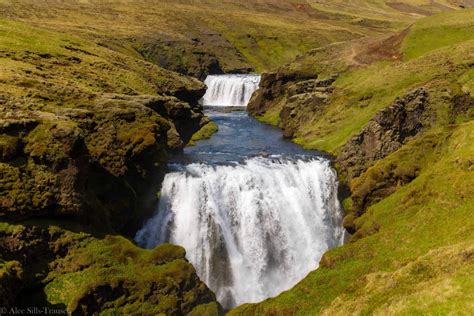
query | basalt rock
[100, 165]
[385, 133]
[272, 87]
[303, 98]
[463, 107]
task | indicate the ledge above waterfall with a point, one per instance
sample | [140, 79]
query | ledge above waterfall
[229, 90]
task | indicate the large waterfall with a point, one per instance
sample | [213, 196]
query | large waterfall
[230, 90]
[252, 229]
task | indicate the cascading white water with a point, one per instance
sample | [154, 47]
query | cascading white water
[229, 90]
[253, 229]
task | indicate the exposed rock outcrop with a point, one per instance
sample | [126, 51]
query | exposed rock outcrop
[88, 275]
[462, 107]
[297, 95]
[385, 133]
[97, 164]
[304, 97]
[273, 86]
[195, 56]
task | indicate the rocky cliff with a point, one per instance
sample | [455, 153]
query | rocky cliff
[99, 164]
[390, 128]
[84, 136]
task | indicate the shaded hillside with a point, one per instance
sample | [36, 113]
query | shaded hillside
[200, 37]
[401, 125]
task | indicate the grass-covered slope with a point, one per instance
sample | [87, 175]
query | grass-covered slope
[371, 85]
[84, 132]
[198, 37]
[411, 210]
[57, 68]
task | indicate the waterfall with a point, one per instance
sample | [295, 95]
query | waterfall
[251, 229]
[229, 90]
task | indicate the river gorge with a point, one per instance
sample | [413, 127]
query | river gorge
[240, 158]
[254, 212]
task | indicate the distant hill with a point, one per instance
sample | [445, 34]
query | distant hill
[199, 37]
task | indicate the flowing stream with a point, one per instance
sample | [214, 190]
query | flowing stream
[254, 212]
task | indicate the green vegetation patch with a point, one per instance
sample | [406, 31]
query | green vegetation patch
[135, 280]
[439, 31]
[205, 132]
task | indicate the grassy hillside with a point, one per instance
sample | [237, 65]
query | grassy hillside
[199, 36]
[84, 132]
[412, 251]
[55, 68]
[371, 79]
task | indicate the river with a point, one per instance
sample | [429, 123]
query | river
[254, 211]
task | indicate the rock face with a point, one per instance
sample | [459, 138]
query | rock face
[298, 95]
[87, 275]
[385, 133]
[195, 56]
[462, 107]
[272, 86]
[94, 164]
[309, 96]
[96, 167]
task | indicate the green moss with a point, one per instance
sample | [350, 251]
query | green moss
[211, 309]
[272, 116]
[29, 190]
[137, 137]
[205, 132]
[347, 204]
[144, 281]
[9, 229]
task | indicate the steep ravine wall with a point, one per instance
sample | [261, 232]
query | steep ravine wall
[73, 176]
[84, 136]
[296, 97]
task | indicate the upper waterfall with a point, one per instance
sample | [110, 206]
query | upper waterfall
[230, 90]
[252, 229]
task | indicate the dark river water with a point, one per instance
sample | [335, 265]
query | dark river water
[241, 136]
